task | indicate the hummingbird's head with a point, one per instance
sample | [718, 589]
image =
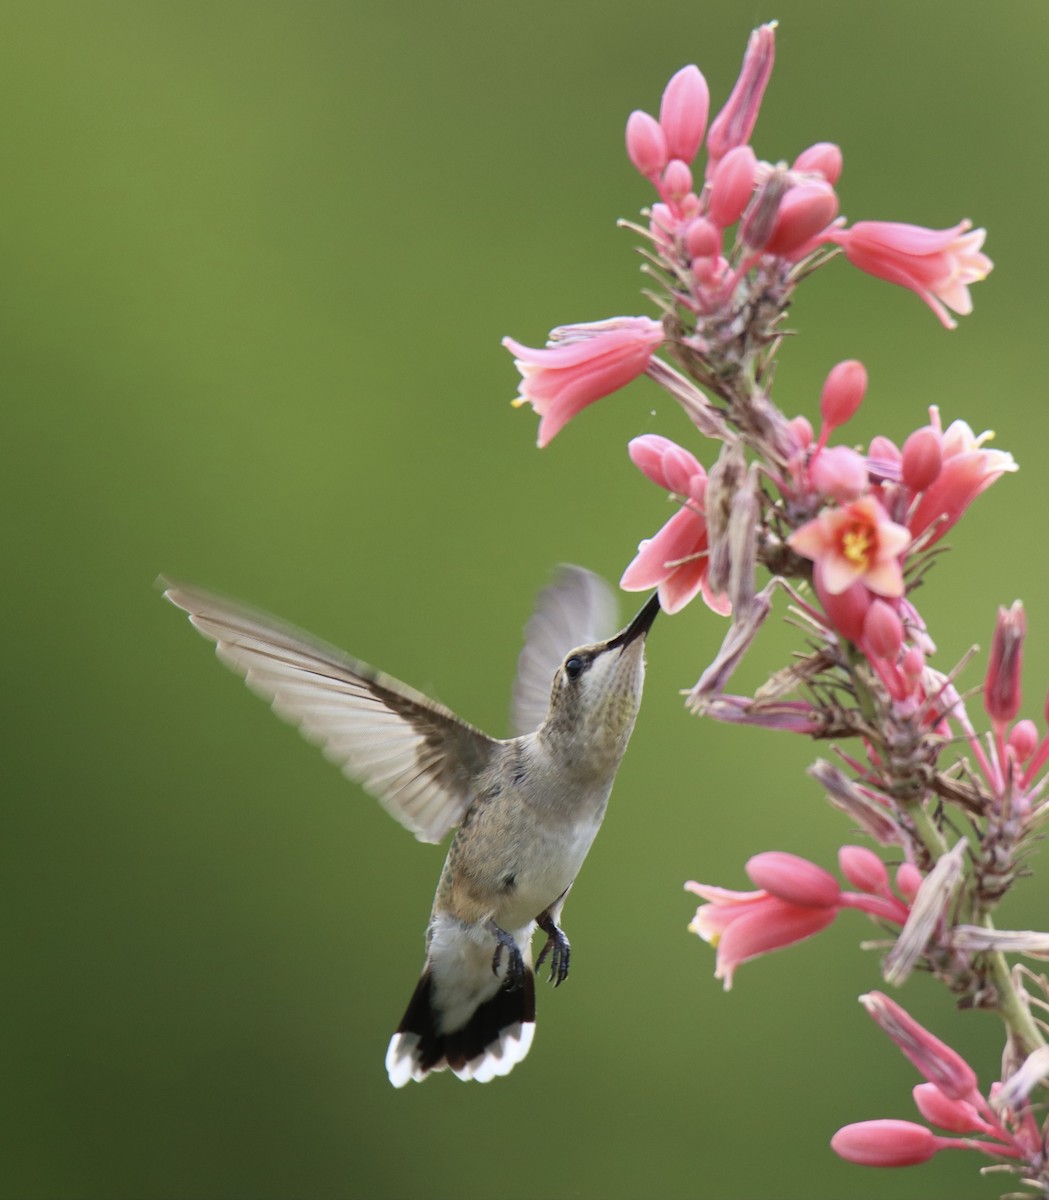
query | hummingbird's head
[597, 693]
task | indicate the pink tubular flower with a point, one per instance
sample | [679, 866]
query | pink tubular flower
[855, 544]
[937, 264]
[745, 925]
[797, 899]
[676, 559]
[934, 1059]
[581, 364]
[966, 470]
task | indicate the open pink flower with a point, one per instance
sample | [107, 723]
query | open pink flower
[797, 899]
[580, 364]
[937, 264]
[966, 470]
[676, 559]
[855, 544]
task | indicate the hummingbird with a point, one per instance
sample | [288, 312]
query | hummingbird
[527, 808]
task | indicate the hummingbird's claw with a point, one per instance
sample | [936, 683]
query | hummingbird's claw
[557, 946]
[515, 968]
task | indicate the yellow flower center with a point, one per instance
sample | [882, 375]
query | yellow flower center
[856, 545]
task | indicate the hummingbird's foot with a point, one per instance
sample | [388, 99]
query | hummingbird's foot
[515, 968]
[557, 946]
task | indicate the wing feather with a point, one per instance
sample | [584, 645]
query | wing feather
[415, 756]
[577, 609]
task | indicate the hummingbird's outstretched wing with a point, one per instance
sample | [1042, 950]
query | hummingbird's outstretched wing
[415, 756]
[577, 609]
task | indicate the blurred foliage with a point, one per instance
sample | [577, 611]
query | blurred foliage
[257, 258]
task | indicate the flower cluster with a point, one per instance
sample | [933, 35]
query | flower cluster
[1008, 1129]
[848, 534]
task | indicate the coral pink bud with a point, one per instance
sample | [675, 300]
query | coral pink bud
[883, 631]
[842, 394]
[735, 123]
[1001, 688]
[667, 464]
[1023, 740]
[804, 211]
[883, 449]
[702, 239]
[908, 880]
[934, 1059]
[824, 158]
[886, 1143]
[922, 458]
[794, 879]
[732, 186]
[663, 226]
[646, 144]
[863, 869]
[913, 663]
[956, 1116]
[683, 113]
[677, 181]
[839, 473]
[581, 364]
[846, 610]
[801, 431]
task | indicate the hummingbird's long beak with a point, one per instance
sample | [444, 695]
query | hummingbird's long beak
[640, 625]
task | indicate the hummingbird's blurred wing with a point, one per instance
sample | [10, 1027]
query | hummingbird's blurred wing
[577, 609]
[416, 757]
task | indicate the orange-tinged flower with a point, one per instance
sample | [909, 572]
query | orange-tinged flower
[855, 544]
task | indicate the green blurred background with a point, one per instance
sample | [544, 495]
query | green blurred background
[257, 259]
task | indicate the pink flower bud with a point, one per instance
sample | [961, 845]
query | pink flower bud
[956, 1116]
[863, 869]
[883, 449]
[913, 664]
[934, 1059]
[839, 473]
[794, 879]
[922, 458]
[677, 181]
[908, 881]
[663, 227]
[801, 431]
[885, 1143]
[665, 463]
[804, 211]
[732, 186]
[646, 144]
[883, 631]
[1023, 740]
[683, 113]
[735, 123]
[843, 392]
[845, 610]
[824, 158]
[1001, 689]
[702, 239]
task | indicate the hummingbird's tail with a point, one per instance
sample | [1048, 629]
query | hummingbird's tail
[490, 1042]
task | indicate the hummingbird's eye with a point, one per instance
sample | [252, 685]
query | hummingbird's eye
[575, 666]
